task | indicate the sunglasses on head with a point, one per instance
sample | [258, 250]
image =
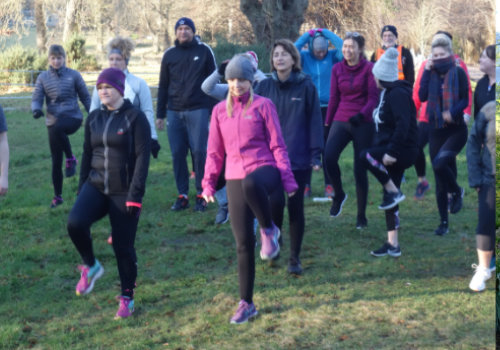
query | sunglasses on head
[352, 34]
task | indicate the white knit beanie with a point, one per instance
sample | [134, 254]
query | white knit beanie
[386, 68]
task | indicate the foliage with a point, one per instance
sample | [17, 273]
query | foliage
[223, 49]
[187, 282]
[18, 58]
[76, 56]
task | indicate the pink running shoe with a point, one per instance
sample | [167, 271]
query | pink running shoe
[110, 240]
[126, 307]
[88, 277]
[270, 246]
[244, 312]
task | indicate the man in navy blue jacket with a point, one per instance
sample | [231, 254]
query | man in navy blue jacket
[184, 67]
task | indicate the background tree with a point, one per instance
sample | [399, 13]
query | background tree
[41, 30]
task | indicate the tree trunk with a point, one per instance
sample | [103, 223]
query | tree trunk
[41, 30]
[274, 19]
[70, 20]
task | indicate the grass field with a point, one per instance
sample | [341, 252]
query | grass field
[187, 283]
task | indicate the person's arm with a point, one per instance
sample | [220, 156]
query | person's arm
[333, 102]
[473, 151]
[423, 91]
[458, 108]
[211, 86]
[315, 125]
[38, 95]
[142, 152]
[416, 87]
[146, 104]
[215, 156]
[372, 98]
[277, 146]
[162, 99]
[468, 109]
[302, 41]
[408, 66]
[336, 41]
[95, 101]
[399, 103]
[4, 163]
[82, 91]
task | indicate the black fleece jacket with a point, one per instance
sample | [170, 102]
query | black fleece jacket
[116, 151]
[398, 126]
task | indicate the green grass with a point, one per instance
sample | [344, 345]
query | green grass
[187, 283]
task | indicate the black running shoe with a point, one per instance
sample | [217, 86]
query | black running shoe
[337, 204]
[294, 266]
[456, 201]
[180, 204]
[361, 223]
[391, 199]
[442, 229]
[387, 249]
[201, 204]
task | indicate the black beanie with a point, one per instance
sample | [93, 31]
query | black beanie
[389, 28]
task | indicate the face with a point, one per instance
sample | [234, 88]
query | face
[486, 64]
[117, 61]
[282, 60]
[56, 62]
[319, 54]
[238, 87]
[351, 51]
[388, 39]
[439, 52]
[184, 34]
[109, 96]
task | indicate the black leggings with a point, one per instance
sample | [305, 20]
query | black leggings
[326, 129]
[246, 198]
[444, 145]
[59, 144]
[91, 205]
[295, 211]
[422, 141]
[341, 133]
[485, 233]
[372, 160]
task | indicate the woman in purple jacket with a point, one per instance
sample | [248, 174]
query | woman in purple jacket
[246, 129]
[353, 96]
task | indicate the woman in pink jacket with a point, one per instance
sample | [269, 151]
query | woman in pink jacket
[353, 96]
[246, 129]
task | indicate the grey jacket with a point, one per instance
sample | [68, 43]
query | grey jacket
[60, 88]
[481, 148]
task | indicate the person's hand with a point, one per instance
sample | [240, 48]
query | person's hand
[208, 198]
[312, 32]
[357, 119]
[160, 124]
[388, 160]
[133, 209]
[37, 113]
[291, 194]
[155, 148]
[447, 117]
[429, 64]
[222, 67]
[319, 30]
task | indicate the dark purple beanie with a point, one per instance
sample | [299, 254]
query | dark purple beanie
[113, 77]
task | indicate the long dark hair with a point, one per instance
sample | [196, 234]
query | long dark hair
[491, 52]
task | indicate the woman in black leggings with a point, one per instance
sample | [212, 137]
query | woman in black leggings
[246, 129]
[60, 87]
[353, 96]
[113, 176]
[297, 103]
[395, 144]
[445, 88]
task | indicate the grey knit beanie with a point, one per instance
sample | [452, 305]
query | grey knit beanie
[386, 68]
[320, 43]
[239, 67]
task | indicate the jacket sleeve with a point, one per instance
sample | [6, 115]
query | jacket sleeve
[315, 125]
[162, 98]
[372, 96]
[83, 92]
[416, 87]
[333, 102]
[212, 88]
[142, 152]
[458, 109]
[336, 41]
[38, 94]
[473, 151]
[95, 102]
[408, 67]
[87, 152]
[423, 91]
[277, 146]
[401, 110]
[215, 156]
[468, 109]
[146, 103]
[302, 41]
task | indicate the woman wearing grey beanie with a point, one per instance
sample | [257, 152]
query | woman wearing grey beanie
[245, 131]
[395, 143]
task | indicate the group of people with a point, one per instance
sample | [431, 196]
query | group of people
[255, 150]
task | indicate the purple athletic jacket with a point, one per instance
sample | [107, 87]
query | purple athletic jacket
[250, 139]
[352, 90]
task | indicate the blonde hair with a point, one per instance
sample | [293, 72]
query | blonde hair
[124, 45]
[229, 103]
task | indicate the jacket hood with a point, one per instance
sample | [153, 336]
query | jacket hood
[296, 76]
[402, 84]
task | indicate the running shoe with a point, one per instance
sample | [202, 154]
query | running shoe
[126, 307]
[244, 312]
[88, 277]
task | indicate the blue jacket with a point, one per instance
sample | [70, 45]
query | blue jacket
[296, 101]
[320, 71]
[60, 88]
